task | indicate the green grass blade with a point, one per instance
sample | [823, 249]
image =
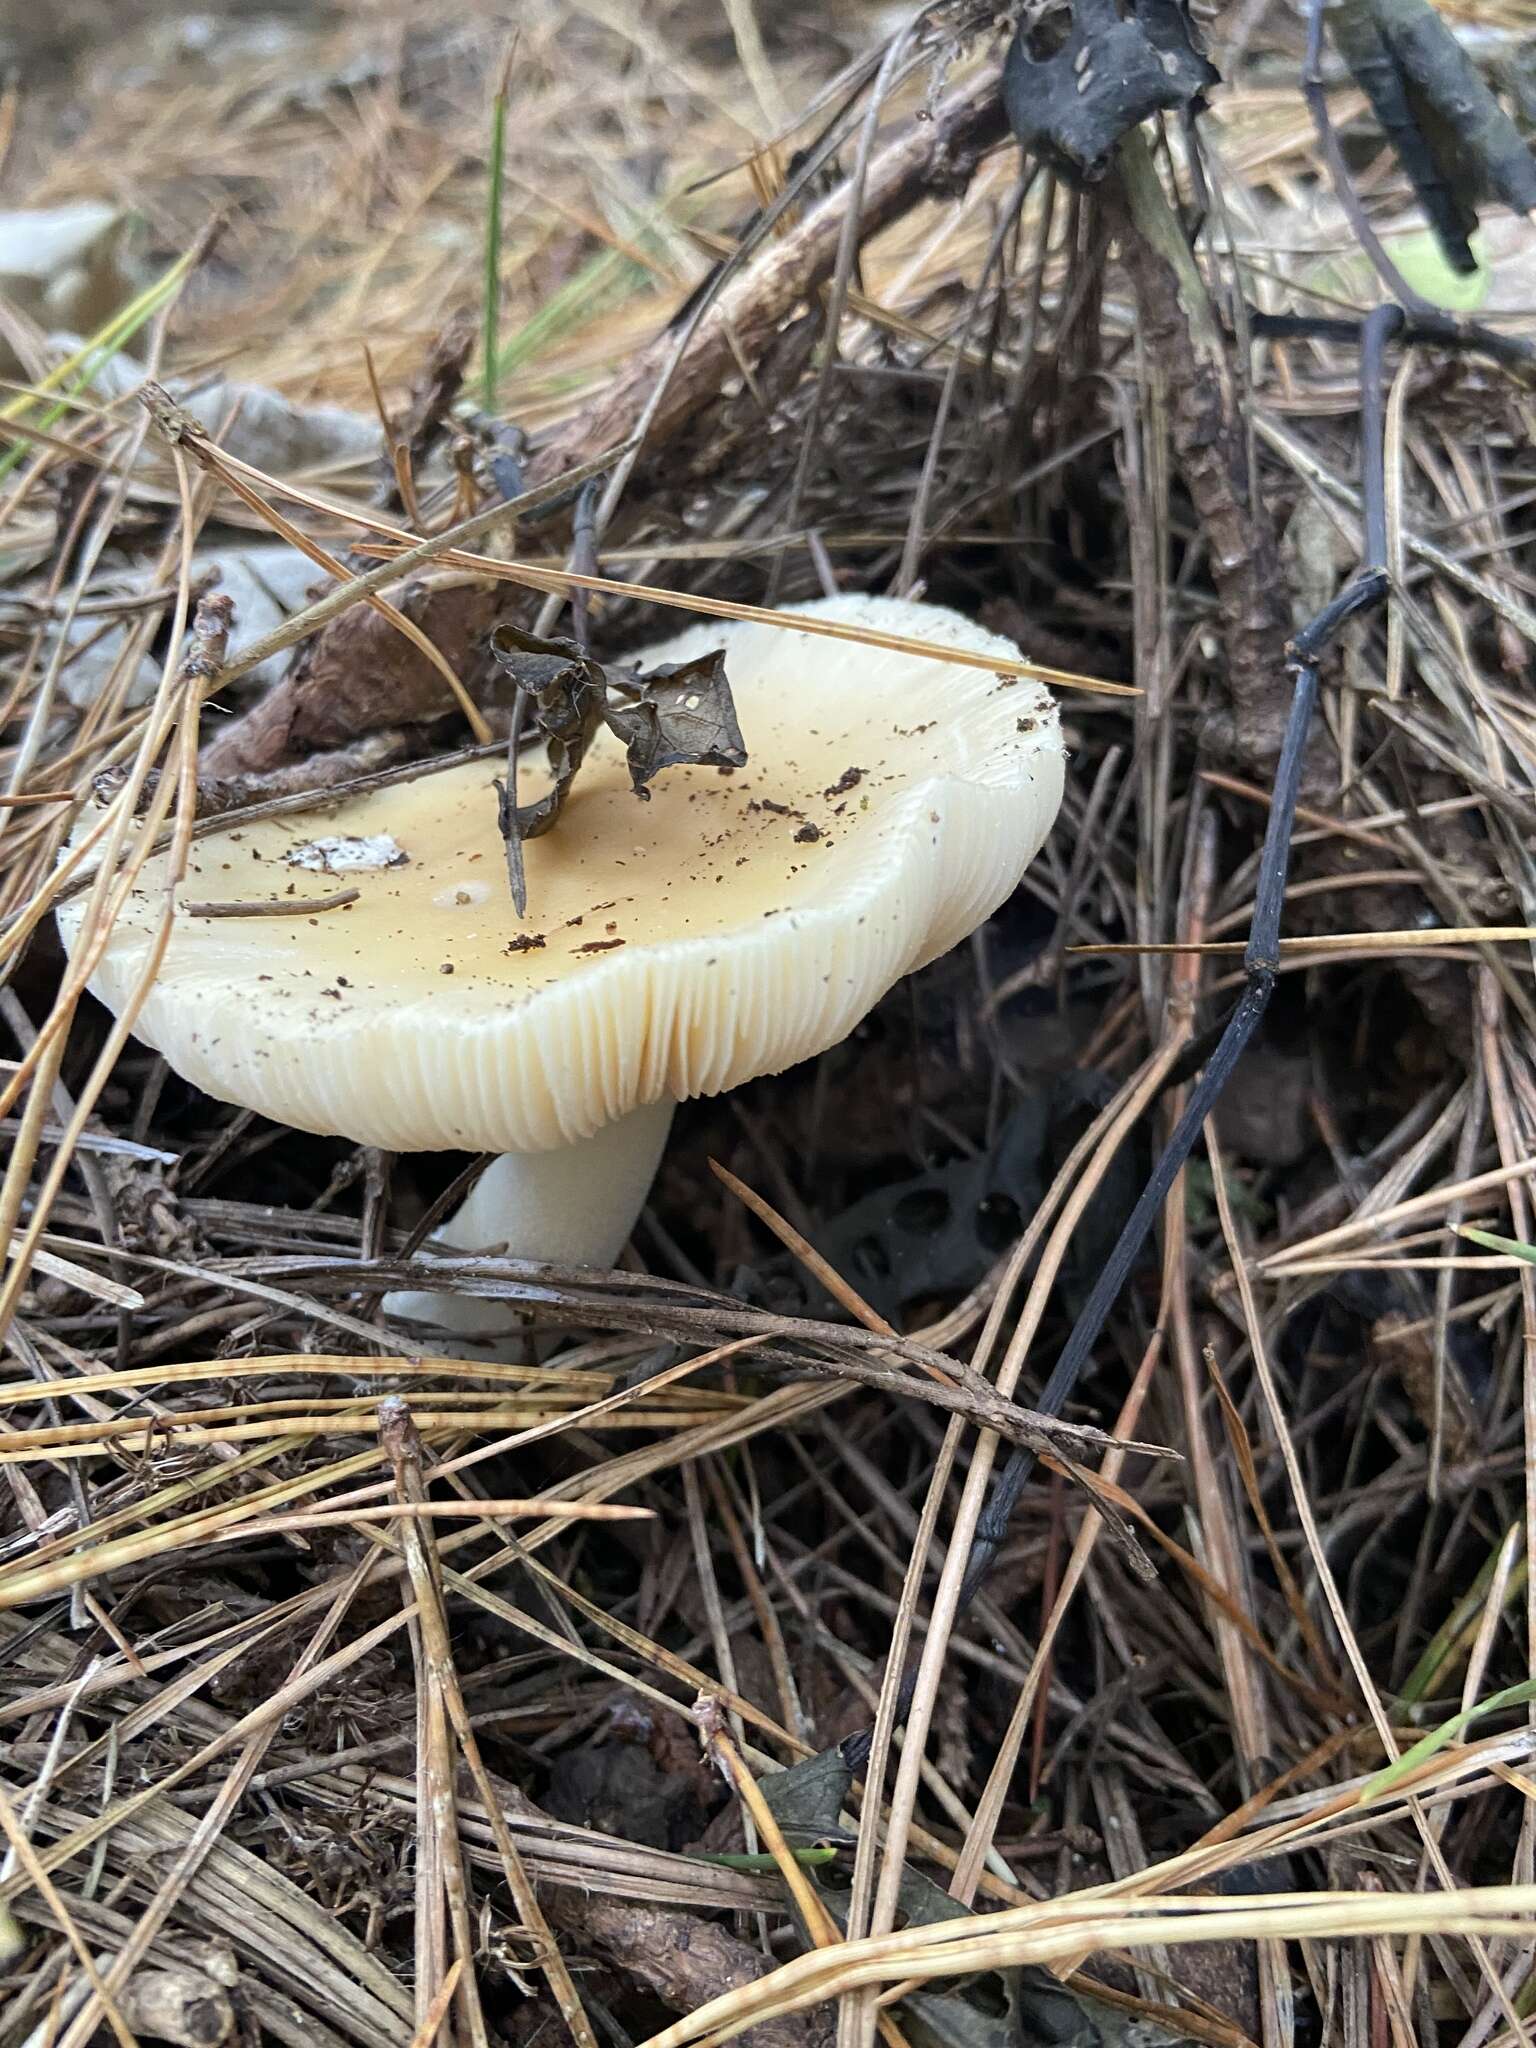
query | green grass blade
[1447, 1733]
[490, 367]
[1511, 1247]
[72, 376]
[1457, 1626]
[593, 286]
[810, 1857]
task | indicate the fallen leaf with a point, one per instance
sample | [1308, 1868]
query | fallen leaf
[680, 712]
[684, 713]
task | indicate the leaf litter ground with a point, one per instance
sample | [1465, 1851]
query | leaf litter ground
[281, 1763]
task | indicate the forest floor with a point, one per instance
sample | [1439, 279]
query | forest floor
[281, 1763]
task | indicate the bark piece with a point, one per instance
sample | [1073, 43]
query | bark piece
[1181, 336]
[360, 674]
[686, 1961]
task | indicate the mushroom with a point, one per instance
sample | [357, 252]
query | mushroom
[737, 922]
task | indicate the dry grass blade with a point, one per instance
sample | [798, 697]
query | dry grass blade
[19, 1848]
[182, 431]
[429, 2030]
[562, 582]
[446, 1722]
[1053, 1930]
[97, 1285]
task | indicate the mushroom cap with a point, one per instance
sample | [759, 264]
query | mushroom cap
[732, 925]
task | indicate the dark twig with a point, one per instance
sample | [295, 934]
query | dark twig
[1261, 960]
[584, 562]
[506, 807]
[1428, 326]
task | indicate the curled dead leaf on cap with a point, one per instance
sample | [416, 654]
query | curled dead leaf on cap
[681, 712]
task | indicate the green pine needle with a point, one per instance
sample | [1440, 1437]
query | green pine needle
[491, 309]
[812, 1857]
[1441, 1737]
[74, 376]
[1511, 1247]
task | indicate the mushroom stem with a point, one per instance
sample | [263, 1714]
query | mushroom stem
[574, 1206]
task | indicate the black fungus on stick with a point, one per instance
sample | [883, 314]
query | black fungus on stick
[1071, 103]
[1448, 129]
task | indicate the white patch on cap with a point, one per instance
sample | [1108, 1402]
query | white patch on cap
[460, 895]
[348, 855]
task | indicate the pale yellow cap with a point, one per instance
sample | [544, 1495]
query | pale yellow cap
[736, 923]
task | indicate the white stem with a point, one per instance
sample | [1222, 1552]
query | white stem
[574, 1206]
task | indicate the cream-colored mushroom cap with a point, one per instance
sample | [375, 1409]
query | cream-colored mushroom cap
[732, 925]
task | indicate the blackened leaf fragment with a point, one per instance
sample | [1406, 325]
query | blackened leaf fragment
[1106, 76]
[561, 690]
[683, 712]
[808, 1799]
[564, 692]
[1450, 133]
[680, 712]
[1369, 56]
